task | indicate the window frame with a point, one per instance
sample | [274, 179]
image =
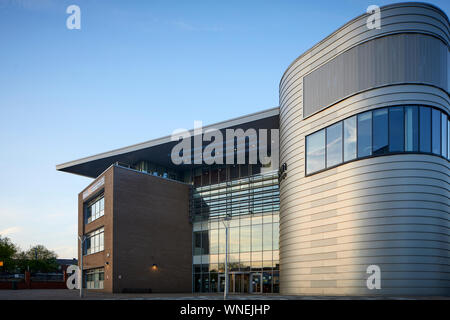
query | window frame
[91, 203]
[389, 153]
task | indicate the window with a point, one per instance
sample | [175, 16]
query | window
[396, 129]
[94, 242]
[425, 129]
[380, 131]
[365, 134]
[234, 239]
[256, 237]
[315, 152]
[411, 129]
[205, 242]
[334, 144]
[95, 278]
[267, 236]
[436, 132]
[245, 238]
[222, 174]
[350, 139]
[214, 241]
[244, 170]
[201, 243]
[234, 172]
[444, 135]
[95, 209]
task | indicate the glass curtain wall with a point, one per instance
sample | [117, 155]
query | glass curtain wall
[253, 204]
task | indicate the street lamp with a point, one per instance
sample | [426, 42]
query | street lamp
[82, 239]
[226, 223]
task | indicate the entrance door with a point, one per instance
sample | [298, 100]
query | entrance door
[221, 283]
[238, 283]
[241, 282]
[256, 283]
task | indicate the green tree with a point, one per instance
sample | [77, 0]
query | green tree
[37, 259]
[8, 251]
[39, 252]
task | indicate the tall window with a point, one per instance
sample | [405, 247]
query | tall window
[365, 134]
[234, 239]
[95, 209]
[201, 243]
[380, 131]
[396, 130]
[425, 129]
[257, 237]
[246, 236]
[411, 128]
[315, 150]
[95, 242]
[350, 139]
[444, 135]
[334, 144]
[436, 131]
[448, 139]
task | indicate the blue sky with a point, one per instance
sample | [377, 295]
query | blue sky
[135, 71]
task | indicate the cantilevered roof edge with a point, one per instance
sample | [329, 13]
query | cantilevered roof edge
[158, 141]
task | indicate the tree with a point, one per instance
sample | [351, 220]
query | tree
[37, 259]
[39, 252]
[8, 250]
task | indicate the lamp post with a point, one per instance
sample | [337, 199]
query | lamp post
[226, 223]
[82, 239]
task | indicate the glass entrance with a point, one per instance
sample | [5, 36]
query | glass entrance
[256, 282]
[221, 283]
[240, 282]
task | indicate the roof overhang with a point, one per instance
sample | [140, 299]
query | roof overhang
[158, 150]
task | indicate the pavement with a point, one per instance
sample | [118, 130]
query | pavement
[65, 294]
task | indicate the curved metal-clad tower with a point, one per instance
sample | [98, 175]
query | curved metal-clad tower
[390, 210]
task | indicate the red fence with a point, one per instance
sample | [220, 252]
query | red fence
[28, 283]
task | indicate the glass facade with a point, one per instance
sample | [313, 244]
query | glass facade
[364, 134]
[396, 129]
[155, 170]
[315, 151]
[425, 129]
[411, 129]
[350, 139]
[334, 144]
[381, 131]
[252, 204]
[435, 132]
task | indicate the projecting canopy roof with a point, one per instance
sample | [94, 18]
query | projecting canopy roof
[158, 151]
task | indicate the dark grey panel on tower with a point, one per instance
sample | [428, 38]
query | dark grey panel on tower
[394, 59]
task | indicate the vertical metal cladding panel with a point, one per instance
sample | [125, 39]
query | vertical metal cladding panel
[399, 58]
[391, 211]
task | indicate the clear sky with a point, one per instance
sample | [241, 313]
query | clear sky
[135, 71]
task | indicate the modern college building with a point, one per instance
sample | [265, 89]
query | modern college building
[361, 179]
